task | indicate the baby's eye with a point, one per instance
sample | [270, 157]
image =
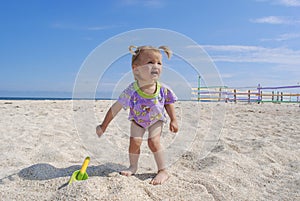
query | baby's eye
[151, 62]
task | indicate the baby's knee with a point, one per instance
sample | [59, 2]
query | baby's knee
[136, 141]
[154, 144]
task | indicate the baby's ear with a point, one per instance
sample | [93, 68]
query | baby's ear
[133, 66]
[135, 72]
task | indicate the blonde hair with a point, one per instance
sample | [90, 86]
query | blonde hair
[135, 53]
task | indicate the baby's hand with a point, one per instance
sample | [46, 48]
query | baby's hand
[99, 130]
[173, 126]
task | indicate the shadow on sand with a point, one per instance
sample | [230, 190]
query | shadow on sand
[44, 171]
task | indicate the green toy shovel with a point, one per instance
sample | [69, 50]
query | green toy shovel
[81, 174]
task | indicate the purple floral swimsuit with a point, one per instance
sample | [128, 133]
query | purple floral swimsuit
[146, 109]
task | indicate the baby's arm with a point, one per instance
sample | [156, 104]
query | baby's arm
[111, 113]
[173, 121]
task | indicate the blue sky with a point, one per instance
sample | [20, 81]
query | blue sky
[44, 42]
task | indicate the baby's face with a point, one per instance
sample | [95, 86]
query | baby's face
[148, 66]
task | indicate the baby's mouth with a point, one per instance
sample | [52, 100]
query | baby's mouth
[154, 73]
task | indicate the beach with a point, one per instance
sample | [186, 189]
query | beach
[223, 151]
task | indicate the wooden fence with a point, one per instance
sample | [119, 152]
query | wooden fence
[281, 94]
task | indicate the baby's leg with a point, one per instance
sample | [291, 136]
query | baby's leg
[155, 146]
[136, 138]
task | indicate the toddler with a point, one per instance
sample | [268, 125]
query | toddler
[147, 99]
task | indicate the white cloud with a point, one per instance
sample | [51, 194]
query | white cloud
[253, 54]
[288, 3]
[276, 66]
[275, 20]
[283, 37]
[231, 48]
[268, 66]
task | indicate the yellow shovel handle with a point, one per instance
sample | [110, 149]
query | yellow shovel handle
[84, 165]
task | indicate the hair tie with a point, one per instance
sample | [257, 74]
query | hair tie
[133, 52]
[166, 50]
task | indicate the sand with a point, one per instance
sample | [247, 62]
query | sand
[222, 152]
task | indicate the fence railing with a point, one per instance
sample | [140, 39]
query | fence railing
[281, 94]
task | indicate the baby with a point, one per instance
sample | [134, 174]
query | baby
[147, 99]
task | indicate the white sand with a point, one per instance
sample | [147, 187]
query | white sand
[256, 158]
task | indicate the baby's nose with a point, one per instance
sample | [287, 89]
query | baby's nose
[155, 65]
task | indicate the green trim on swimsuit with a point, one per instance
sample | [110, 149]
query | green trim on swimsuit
[143, 94]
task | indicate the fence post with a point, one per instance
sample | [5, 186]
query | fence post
[249, 100]
[258, 94]
[234, 95]
[199, 77]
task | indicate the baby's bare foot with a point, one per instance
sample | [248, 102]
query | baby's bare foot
[160, 178]
[128, 172]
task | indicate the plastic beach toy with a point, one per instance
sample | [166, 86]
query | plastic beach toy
[81, 174]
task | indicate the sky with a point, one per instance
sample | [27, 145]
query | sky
[44, 43]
